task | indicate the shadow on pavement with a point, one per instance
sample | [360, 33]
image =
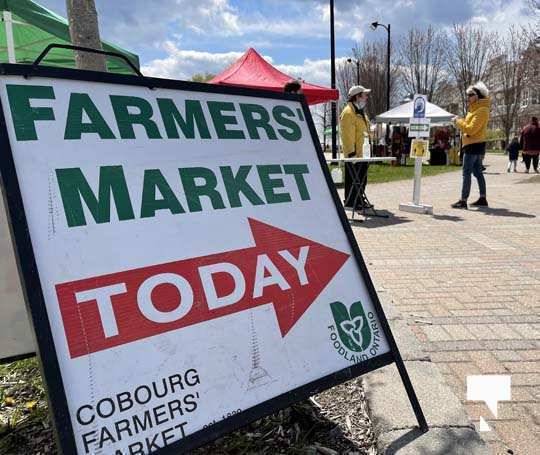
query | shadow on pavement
[447, 218]
[533, 179]
[355, 222]
[403, 440]
[452, 441]
[376, 222]
[504, 212]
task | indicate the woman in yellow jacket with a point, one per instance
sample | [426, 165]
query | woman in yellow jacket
[353, 128]
[473, 130]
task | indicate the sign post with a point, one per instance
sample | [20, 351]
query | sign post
[186, 261]
[418, 128]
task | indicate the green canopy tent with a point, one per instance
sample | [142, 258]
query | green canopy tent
[28, 28]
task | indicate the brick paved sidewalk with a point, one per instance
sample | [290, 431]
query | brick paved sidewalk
[468, 283]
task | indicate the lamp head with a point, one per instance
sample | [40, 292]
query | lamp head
[374, 25]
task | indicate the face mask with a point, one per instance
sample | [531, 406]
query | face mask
[360, 104]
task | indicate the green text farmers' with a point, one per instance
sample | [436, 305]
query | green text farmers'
[188, 119]
[119, 192]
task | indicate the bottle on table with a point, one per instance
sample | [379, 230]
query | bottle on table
[366, 148]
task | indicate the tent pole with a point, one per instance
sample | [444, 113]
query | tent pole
[8, 21]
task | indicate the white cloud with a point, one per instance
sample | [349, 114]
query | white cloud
[305, 28]
[312, 71]
[497, 15]
[269, 44]
[183, 64]
[276, 25]
[214, 16]
[314, 22]
[140, 24]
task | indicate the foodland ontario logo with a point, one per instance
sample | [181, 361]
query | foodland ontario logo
[355, 335]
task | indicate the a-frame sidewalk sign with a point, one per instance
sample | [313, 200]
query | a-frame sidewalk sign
[186, 262]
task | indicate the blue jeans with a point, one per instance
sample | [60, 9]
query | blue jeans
[472, 164]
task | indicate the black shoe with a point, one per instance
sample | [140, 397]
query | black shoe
[459, 205]
[481, 202]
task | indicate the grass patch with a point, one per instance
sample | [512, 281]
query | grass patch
[383, 172]
[496, 152]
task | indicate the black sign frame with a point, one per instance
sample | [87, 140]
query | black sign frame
[35, 302]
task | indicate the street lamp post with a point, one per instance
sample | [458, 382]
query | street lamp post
[374, 26]
[357, 61]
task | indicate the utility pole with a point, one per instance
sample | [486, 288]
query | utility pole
[374, 26]
[333, 75]
[388, 69]
[84, 31]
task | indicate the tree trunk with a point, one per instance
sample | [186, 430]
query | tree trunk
[84, 31]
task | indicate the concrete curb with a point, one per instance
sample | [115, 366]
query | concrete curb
[450, 430]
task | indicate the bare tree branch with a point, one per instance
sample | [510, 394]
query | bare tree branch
[372, 74]
[534, 6]
[509, 73]
[469, 50]
[423, 62]
[321, 113]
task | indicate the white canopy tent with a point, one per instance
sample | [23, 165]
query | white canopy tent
[402, 114]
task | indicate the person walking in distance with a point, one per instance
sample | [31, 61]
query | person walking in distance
[513, 154]
[530, 144]
[354, 128]
[473, 130]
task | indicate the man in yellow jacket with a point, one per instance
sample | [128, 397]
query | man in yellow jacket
[354, 127]
[473, 131]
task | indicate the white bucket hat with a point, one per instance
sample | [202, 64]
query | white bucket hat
[357, 89]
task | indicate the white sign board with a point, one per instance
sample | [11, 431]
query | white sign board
[193, 262]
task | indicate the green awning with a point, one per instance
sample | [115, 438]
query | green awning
[34, 27]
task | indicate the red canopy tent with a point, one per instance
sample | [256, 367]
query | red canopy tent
[251, 70]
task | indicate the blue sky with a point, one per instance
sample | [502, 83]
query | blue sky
[178, 38]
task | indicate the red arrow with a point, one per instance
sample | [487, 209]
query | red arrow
[85, 325]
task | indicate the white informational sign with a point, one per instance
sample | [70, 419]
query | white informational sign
[419, 148]
[192, 263]
[419, 106]
[419, 127]
[419, 124]
[15, 335]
